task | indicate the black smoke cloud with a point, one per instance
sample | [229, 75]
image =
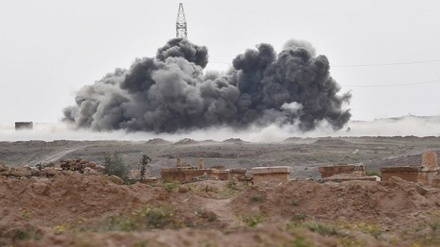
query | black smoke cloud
[171, 92]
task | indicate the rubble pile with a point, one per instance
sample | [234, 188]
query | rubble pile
[82, 166]
[27, 171]
[78, 165]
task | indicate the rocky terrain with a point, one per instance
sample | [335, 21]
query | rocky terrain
[90, 209]
[304, 155]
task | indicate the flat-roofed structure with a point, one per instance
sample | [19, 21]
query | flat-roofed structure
[24, 125]
[355, 170]
[273, 173]
[424, 173]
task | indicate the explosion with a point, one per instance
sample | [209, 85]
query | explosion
[171, 93]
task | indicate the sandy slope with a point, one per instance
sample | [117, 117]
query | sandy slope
[89, 210]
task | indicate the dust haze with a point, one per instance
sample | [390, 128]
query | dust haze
[403, 126]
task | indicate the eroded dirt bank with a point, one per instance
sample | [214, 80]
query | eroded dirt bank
[72, 209]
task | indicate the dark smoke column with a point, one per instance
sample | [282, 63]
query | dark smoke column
[297, 76]
[171, 93]
[293, 87]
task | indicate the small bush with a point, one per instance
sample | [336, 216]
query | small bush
[373, 173]
[231, 189]
[295, 202]
[26, 214]
[59, 229]
[141, 243]
[232, 185]
[299, 217]
[157, 217]
[149, 217]
[114, 165]
[434, 225]
[121, 223]
[300, 241]
[26, 234]
[253, 220]
[257, 198]
[205, 214]
[324, 230]
[352, 242]
[171, 185]
[193, 187]
[371, 229]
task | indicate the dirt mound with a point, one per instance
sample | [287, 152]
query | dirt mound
[234, 141]
[210, 141]
[272, 235]
[186, 141]
[67, 198]
[73, 209]
[158, 141]
[331, 141]
[298, 140]
[394, 204]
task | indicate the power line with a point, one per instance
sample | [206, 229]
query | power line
[370, 86]
[386, 64]
[357, 65]
[314, 12]
[365, 65]
[395, 85]
[218, 61]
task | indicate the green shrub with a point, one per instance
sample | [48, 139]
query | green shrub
[257, 198]
[114, 165]
[434, 225]
[324, 230]
[232, 185]
[205, 214]
[171, 185]
[26, 234]
[147, 218]
[373, 173]
[157, 217]
[294, 202]
[121, 223]
[299, 217]
[26, 214]
[300, 241]
[253, 220]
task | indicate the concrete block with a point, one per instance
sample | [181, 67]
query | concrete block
[271, 170]
[274, 173]
[352, 169]
[429, 161]
[408, 173]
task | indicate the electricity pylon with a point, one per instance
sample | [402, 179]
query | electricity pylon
[181, 31]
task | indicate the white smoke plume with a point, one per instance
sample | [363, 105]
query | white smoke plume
[404, 126]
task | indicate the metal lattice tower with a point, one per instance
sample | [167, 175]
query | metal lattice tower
[181, 31]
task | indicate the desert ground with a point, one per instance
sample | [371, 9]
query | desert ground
[72, 209]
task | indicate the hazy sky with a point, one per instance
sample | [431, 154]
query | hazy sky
[387, 53]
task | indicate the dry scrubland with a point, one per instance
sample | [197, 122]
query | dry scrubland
[72, 209]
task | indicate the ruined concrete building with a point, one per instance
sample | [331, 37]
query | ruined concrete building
[356, 170]
[187, 173]
[24, 125]
[345, 172]
[80, 165]
[424, 173]
[274, 173]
